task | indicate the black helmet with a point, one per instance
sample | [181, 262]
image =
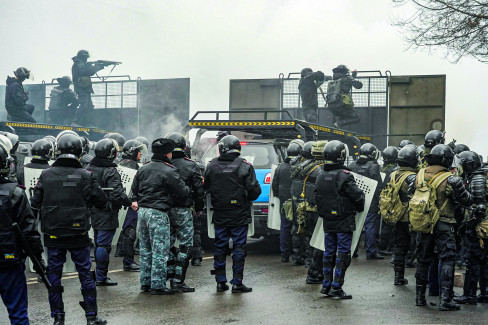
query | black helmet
[60, 134]
[179, 140]
[131, 149]
[117, 137]
[64, 81]
[51, 139]
[307, 150]
[390, 155]
[69, 146]
[83, 54]
[222, 134]
[470, 161]
[229, 144]
[408, 157]
[4, 160]
[341, 68]
[106, 149]
[460, 148]
[23, 150]
[144, 141]
[305, 72]
[335, 152]
[22, 73]
[433, 138]
[441, 155]
[42, 149]
[86, 144]
[14, 139]
[293, 149]
[369, 150]
[403, 143]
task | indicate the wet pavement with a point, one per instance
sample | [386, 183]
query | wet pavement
[280, 296]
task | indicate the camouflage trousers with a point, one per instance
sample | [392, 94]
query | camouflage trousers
[181, 221]
[154, 238]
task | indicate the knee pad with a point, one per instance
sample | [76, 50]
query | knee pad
[344, 260]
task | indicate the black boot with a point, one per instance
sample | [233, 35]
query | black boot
[420, 295]
[162, 292]
[466, 300]
[240, 288]
[95, 320]
[222, 286]
[181, 287]
[196, 262]
[339, 294]
[132, 267]
[312, 279]
[145, 288]
[59, 319]
[400, 276]
[445, 300]
[107, 283]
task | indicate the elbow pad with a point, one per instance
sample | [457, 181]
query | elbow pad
[460, 191]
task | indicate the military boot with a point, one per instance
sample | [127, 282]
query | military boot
[466, 300]
[314, 279]
[445, 301]
[95, 320]
[222, 286]
[196, 261]
[181, 287]
[338, 294]
[240, 288]
[420, 295]
[59, 319]
[400, 276]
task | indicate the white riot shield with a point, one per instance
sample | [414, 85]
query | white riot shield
[368, 186]
[210, 225]
[127, 176]
[31, 176]
[274, 218]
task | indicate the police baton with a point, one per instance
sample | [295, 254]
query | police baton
[37, 265]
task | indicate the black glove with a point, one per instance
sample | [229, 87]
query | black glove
[452, 144]
[354, 74]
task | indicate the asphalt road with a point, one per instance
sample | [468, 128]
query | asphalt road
[280, 296]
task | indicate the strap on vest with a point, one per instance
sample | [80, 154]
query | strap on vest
[306, 178]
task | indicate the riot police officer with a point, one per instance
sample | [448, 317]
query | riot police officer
[13, 160]
[120, 139]
[476, 255]
[338, 199]
[106, 221]
[63, 195]
[299, 241]
[433, 138]
[389, 155]
[404, 143]
[448, 192]
[408, 162]
[16, 97]
[63, 102]
[86, 157]
[131, 155]
[367, 165]
[180, 215]
[42, 150]
[82, 70]
[231, 182]
[307, 87]
[13, 286]
[281, 188]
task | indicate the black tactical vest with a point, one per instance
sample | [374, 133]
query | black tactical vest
[64, 212]
[10, 250]
[226, 190]
[331, 203]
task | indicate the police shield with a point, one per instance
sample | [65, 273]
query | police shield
[368, 186]
[210, 225]
[126, 176]
[274, 218]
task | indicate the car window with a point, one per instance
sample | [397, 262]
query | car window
[262, 156]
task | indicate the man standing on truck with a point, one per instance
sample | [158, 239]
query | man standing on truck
[232, 184]
[16, 98]
[307, 88]
[82, 71]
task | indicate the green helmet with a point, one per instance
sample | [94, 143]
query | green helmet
[318, 148]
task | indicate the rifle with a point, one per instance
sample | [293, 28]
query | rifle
[107, 63]
[37, 265]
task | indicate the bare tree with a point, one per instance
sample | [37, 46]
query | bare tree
[458, 27]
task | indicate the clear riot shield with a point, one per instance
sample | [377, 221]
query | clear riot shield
[127, 176]
[31, 176]
[274, 218]
[210, 225]
[368, 186]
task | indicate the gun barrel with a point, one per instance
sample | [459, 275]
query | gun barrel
[28, 250]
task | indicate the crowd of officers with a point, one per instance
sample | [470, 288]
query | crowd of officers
[314, 182]
[78, 192]
[66, 107]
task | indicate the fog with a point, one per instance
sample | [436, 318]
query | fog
[214, 41]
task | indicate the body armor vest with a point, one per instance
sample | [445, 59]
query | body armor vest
[227, 192]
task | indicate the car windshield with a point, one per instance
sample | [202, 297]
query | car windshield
[261, 155]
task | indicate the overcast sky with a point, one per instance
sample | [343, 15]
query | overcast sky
[214, 41]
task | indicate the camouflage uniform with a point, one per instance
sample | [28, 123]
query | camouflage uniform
[181, 220]
[154, 236]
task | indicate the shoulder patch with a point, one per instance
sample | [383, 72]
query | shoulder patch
[345, 171]
[169, 164]
[21, 186]
[247, 162]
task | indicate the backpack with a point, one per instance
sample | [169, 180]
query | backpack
[334, 97]
[391, 207]
[9, 250]
[423, 213]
